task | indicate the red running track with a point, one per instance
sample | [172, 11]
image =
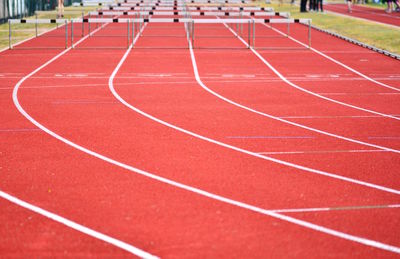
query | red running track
[71, 97]
[369, 13]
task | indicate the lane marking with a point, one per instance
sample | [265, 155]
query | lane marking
[270, 137]
[322, 152]
[222, 199]
[337, 62]
[236, 203]
[365, 207]
[303, 168]
[385, 137]
[197, 76]
[83, 229]
[310, 92]
[76, 226]
[333, 117]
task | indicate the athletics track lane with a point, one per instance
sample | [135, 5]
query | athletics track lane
[285, 63]
[372, 14]
[92, 118]
[167, 98]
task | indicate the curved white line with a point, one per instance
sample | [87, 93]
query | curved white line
[337, 62]
[303, 168]
[198, 79]
[80, 228]
[303, 89]
[302, 223]
[76, 226]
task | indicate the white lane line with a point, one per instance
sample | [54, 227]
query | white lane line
[197, 76]
[237, 203]
[305, 224]
[88, 231]
[308, 91]
[322, 152]
[338, 62]
[333, 117]
[270, 137]
[300, 210]
[303, 168]
[76, 226]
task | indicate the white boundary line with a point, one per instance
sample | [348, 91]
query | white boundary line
[303, 168]
[302, 223]
[390, 206]
[320, 152]
[76, 226]
[62, 220]
[338, 62]
[278, 118]
[233, 202]
[305, 90]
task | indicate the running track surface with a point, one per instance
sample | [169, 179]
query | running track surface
[372, 14]
[222, 151]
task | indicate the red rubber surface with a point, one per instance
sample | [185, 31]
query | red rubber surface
[373, 14]
[71, 97]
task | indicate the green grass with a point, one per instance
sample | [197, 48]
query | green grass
[23, 31]
[381, 36]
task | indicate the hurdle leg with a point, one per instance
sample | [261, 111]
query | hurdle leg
[248, 38]
[133, 33]
[241, 24]
[72, 33]
[89, 24]
[254, 33]
[66, 34]
[36, 26]
[128, 34]
[309, 34]
[192, 34]
[83, 25]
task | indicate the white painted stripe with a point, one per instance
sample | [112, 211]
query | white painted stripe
[340, 63]
[334, 117]
[322, 152]
[197, 76]
[300, 210]
[302, 223]
[93, 233]
[306, 169]
[76, 226]
[308, 91]
[186, 187]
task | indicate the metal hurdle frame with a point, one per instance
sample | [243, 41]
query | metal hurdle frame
[188, 21]
[36, 21]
